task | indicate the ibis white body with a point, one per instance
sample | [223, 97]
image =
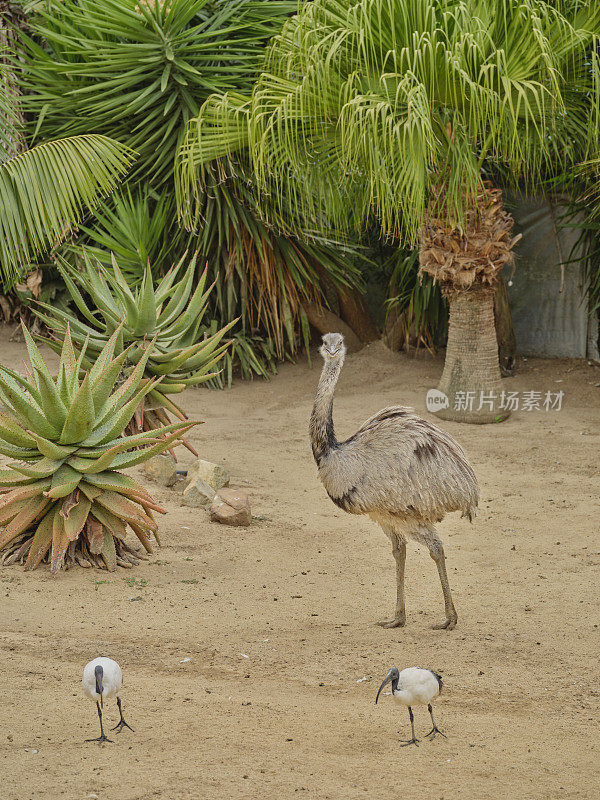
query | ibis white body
[416, 687]
[112, 679]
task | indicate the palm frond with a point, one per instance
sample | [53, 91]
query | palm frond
[139, 226]
[361, 109]
[138, 71]
[418, 300]
[48, 189]
[582, 215]
[263, 276]
[9, 120]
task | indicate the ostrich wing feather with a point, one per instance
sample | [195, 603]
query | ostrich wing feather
[401, 465]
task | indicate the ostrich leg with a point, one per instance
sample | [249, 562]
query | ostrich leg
[399, 552]
[436, 551]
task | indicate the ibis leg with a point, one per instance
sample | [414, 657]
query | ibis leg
[399, 553]
[414, 739]
[121, 723]
[435, 728]
[102, 737]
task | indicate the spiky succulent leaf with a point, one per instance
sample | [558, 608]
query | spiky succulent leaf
[41, 541]
[81, 416]
[169, 314]
[13, 433]
[63, 496]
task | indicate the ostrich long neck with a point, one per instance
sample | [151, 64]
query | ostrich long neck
[322, 434]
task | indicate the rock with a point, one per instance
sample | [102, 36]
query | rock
[161, 469]
[231, 507]
[213, 474]
[198, 494]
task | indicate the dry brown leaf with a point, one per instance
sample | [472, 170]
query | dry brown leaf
[34, 283]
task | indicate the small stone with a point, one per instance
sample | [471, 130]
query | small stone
[213, 474]
[161, 469]
[231, 507]
[198, 493]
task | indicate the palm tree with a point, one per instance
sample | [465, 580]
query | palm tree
[47, 190]
[138, 71]
[399, 109]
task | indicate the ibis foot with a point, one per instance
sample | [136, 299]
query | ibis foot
[406, 742]
[100, 739]
[122, 724]
[397, 622]
[435, 730]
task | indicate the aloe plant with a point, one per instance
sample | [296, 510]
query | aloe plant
[171, 313]
[64, 498]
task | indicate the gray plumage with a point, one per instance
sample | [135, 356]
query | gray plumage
[401, 470]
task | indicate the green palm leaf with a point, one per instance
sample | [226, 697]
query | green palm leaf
[363, 107]
[136, 230]
[9, 122]
[138, 71]
[48, 189]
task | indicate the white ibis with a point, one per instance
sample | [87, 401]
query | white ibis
[414, 687]
[102, 679]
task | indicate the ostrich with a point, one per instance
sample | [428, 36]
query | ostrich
[401, 470]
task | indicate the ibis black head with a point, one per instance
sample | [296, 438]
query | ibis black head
[392, 676]
[99, 672]
[333, 347]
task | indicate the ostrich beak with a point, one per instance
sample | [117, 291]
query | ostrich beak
[389, 677]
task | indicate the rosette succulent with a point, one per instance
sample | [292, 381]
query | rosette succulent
[182, 351]
[64, 499]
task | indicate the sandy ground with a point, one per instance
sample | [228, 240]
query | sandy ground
[275, 622]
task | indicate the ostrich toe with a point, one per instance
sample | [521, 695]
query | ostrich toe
[448, 624]
[397, 622]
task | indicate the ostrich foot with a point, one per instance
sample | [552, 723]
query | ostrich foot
[448, 624]
[406, 742]
[397, 622]
[433, 733]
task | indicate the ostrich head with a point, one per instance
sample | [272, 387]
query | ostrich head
[333, 348]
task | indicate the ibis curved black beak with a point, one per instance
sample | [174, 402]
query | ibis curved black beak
[99, 672]
[388, 678]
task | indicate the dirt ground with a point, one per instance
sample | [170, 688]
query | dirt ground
[251, 658]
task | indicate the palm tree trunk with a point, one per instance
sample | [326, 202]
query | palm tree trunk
[471, 377]
[466, 261]
[350, 305]
[394, 330]
[325, 321]
[505, 332]
[356, 314]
